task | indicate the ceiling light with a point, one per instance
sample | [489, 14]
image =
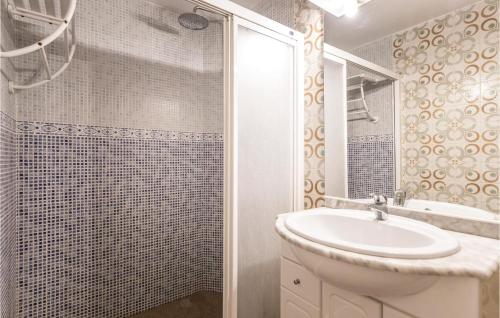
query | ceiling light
[350, 7]
[340, 8]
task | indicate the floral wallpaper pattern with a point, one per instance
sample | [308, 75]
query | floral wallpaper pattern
[449, 107]
[310, 20]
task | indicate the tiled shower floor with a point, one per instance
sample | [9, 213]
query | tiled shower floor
[198, 305]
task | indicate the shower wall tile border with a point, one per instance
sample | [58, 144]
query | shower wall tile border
[100, 131]
[7, 122]
[371, 138]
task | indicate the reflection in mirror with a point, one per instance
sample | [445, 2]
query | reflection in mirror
[370, 133]
[432, 130]
[364, 106]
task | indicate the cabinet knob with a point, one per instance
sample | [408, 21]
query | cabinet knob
[296, 281]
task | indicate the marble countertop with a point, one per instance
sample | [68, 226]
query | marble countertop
[486, 228]
[478, 257]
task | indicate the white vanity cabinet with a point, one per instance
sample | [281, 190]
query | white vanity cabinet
[338, 303]
[292, 306]
[300, 289]
[303, 295]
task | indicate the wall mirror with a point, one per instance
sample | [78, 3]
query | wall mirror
[417, 108]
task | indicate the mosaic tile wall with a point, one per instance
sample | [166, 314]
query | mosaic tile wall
[310, 20]
[378, 52]
[281, 11]
[108, 227]
[449, 107]
[370, 158]
[120, 179]
[8, 208]
[8, 199]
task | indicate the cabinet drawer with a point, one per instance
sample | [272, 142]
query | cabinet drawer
[292, 306]
[300, 281]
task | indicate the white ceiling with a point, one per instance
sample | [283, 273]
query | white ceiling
[380, 18]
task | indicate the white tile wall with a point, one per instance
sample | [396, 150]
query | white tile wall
[135, 67]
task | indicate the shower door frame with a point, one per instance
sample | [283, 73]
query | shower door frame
[296, 41]
[234, 16]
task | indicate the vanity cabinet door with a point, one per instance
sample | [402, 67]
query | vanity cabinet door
[393, 313]
[292, 306]
[338, 303]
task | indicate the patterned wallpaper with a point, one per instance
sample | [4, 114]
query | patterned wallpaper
[450, 121]
[310, 20]
[449, 107]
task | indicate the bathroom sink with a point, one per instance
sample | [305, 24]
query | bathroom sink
[321, 238]
[357, 231]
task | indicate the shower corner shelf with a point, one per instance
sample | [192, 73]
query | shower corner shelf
[357, 83]
[354, 82]
[44, 12]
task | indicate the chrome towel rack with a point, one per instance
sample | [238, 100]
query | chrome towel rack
[354, 84]
[54, 12]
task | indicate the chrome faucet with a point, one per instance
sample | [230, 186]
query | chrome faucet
[399, 197]
[379, 206]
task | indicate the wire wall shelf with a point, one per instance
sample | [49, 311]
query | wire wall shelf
[58, 13]
[357, 84]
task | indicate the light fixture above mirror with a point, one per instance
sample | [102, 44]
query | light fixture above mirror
[340, 8]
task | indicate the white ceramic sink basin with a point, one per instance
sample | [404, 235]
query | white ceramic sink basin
[312, 234]
[357, 231]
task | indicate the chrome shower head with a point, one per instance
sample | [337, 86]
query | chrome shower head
[193, 21]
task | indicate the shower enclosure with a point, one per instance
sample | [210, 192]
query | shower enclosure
[120, 180]
[133, 185]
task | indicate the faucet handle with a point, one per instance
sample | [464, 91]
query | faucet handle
[379, 199]
[399, 197]
[399, 192]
